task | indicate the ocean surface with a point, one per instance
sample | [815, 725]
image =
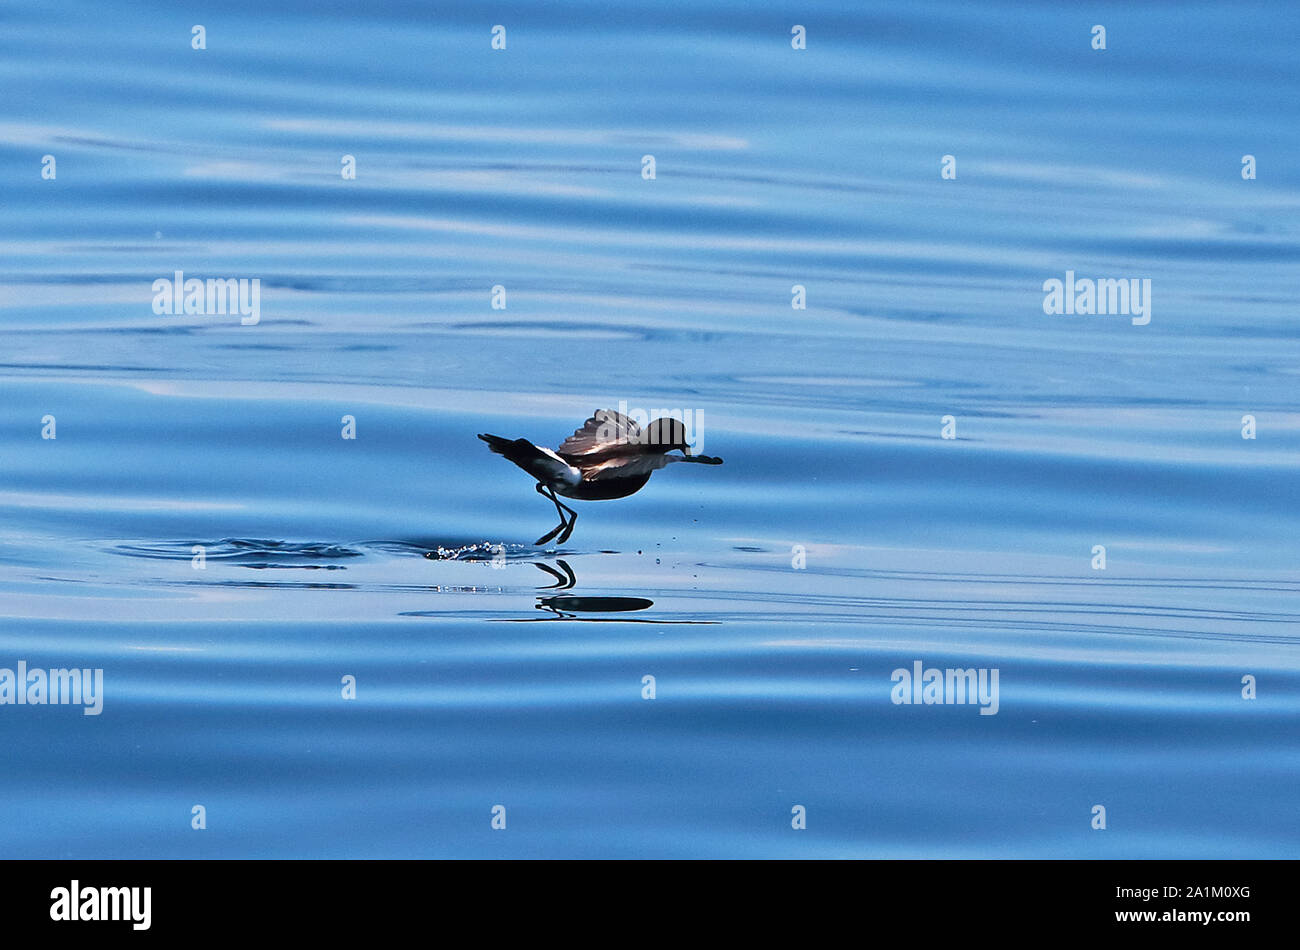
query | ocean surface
[199, 528]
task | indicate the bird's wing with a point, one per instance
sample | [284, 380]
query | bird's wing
[624, 467]
[604, 429]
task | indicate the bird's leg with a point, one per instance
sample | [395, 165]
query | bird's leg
[543, 490]
[573, 517]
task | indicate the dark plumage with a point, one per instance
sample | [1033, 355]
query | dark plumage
[609, 457]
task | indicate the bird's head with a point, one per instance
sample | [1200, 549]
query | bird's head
[668, 434]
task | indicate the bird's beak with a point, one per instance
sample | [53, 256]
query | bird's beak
[703, 459]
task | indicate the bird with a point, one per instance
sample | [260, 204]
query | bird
[610, 456]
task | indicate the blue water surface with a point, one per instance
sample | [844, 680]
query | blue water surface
[772, 598]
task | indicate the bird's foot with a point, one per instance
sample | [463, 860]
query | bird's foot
[568, 530]
[550, 534]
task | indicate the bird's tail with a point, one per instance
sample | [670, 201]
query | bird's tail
[520, 451]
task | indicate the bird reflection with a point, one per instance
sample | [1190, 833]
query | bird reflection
[562, 581]
[555, 606]
[569, 606]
